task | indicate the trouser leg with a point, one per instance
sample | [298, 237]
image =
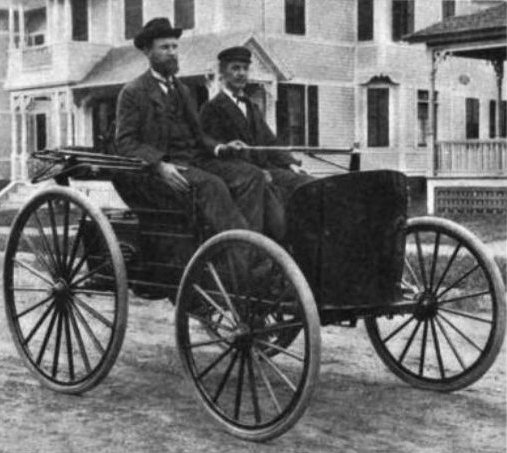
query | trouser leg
[247, 186]
[286, 182]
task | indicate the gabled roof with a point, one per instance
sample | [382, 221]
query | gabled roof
[486, 24]
[197, 56]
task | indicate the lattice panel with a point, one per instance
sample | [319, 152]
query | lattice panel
[470, 200]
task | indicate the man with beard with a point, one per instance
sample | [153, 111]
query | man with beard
[232, 116]
[157, 121]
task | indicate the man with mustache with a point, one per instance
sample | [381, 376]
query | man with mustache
[232, 116]
[157, 121]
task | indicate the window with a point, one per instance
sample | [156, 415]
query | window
[80, 20]
[313, 115]
[365, 20]
[423, 109]
[472, 117]
[448, 8]
[133, 17]
[492, 119]
[184, 14]
[295, 17]
[403, 18]
[40, 131]
[378, 117]
[296, 104]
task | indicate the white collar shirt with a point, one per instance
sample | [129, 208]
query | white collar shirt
[241, 105]
[162, 81]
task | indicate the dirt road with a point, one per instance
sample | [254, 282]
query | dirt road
[146, 406]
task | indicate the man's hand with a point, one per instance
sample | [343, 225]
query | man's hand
[234, 148]
[297, 169]
[171, 175]
[267, 176]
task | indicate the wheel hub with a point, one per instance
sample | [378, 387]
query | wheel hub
[427, 306]
[62, 292]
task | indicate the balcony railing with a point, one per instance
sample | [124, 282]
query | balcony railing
[36, 57]
[471, 158]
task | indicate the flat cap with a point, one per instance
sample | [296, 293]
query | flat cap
[237, 53]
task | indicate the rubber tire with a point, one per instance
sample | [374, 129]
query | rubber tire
[121, 315]
[495, 341]
[312, 318]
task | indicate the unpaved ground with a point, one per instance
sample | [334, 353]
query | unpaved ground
[146, 406]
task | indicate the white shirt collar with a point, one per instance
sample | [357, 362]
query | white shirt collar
[230, 94]
[160, 77]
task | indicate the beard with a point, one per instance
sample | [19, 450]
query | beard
[167, 68]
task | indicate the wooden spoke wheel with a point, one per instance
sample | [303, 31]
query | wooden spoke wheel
[65, 290]
[457, 327]
[248, 334]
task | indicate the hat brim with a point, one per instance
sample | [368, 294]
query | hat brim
[146, 37]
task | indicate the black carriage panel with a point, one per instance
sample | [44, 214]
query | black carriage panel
[347, 233]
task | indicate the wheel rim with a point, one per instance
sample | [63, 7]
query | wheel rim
[62, 292]
[230, 320]
[452, 329]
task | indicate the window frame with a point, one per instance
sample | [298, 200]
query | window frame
[139, 6]
[369, 34]
[402, 9]
[309, 124]
[371, 141]
[177, 23]
[301, 29]
[472, 111]
[85, 36]
[448, 9]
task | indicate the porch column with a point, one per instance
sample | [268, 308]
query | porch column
[24, 139]
[55, 19]
[498, 67]
[14, 139]
[11, 25]
[49, 23]
[67, 20]
[21, 19]
[271, 98]
[70, 123]
[110, 22]
[55, 100]
[432, 155]
[212, 84]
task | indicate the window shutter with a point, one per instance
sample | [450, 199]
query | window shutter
[313, 115]
[492, 119]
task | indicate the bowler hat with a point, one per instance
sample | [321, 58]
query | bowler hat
[238, 53]
[159, 27]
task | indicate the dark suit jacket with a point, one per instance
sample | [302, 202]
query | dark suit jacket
[222, 119]
[141, 125]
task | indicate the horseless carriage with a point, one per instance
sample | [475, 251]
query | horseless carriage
[249, 310]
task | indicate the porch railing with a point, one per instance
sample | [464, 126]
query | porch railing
[471, 158]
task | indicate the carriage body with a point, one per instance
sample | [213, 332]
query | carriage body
[248, 311]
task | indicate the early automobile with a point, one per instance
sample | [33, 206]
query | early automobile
[249, 310]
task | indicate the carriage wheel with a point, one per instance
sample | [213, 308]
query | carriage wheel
[456, 330]
[238, 296]
[65, 290]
